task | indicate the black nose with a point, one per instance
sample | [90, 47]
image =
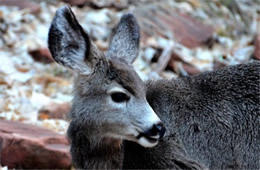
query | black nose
[157, 129]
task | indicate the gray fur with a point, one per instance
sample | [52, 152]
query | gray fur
[125, 39]
[69, 44]
[212, 119]
[215, 116]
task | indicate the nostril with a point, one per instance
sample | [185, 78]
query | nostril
[160, 129]
[154, 131]
[157, 129]
[159, 126]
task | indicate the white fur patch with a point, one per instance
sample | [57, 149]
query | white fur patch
[145, 143]
[153, 118]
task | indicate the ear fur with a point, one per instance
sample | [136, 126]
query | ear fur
[69, 44]
[125, 40]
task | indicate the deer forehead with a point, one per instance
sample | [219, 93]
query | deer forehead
[113, 74]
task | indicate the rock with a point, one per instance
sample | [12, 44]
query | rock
[244, 54]
[28, 146]
[182, 68]
[168, 75]
[187, 30]
[218, 65]
[42, 55]
[257, 47]
[98, 4]
[55, 110]
[7, 65]
[76, 2]
[33, 7]
[149, 54]
[191, 70]
[21, 76]
[161, 20]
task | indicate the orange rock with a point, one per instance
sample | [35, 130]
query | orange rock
[55, 110]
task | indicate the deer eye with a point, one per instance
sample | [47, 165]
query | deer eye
[119, 97]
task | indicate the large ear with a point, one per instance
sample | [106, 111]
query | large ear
[69, 44]
[125, 39]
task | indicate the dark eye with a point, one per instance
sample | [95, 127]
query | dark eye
[119, 97]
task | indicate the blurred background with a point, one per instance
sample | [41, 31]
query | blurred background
[178, 38]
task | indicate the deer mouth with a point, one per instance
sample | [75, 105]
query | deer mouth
[152, 135]
[152, 140]
[147, 141]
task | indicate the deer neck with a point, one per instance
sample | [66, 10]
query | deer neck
[92, 151]
[104, 153]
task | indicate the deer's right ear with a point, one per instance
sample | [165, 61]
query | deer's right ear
[69, 44]
[124, 43]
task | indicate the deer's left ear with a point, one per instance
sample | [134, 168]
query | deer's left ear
[125, 40]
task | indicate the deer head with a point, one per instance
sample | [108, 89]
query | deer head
[110, 98]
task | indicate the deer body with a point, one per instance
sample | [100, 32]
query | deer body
[214, 115]
[118, 121]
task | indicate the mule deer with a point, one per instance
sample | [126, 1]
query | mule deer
[212, 120]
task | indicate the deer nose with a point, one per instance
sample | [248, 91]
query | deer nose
[156, 130]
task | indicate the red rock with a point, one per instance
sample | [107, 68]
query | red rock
[22, 4]
[98, 4]
[28, 146]
[257, 47]
[191, 70]
[55, 110]
[218, 65]
[159, 19]
[187, 30]
[187, 68]
[76, 2]
[42, 55]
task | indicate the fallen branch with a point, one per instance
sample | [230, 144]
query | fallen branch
[164, 59]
